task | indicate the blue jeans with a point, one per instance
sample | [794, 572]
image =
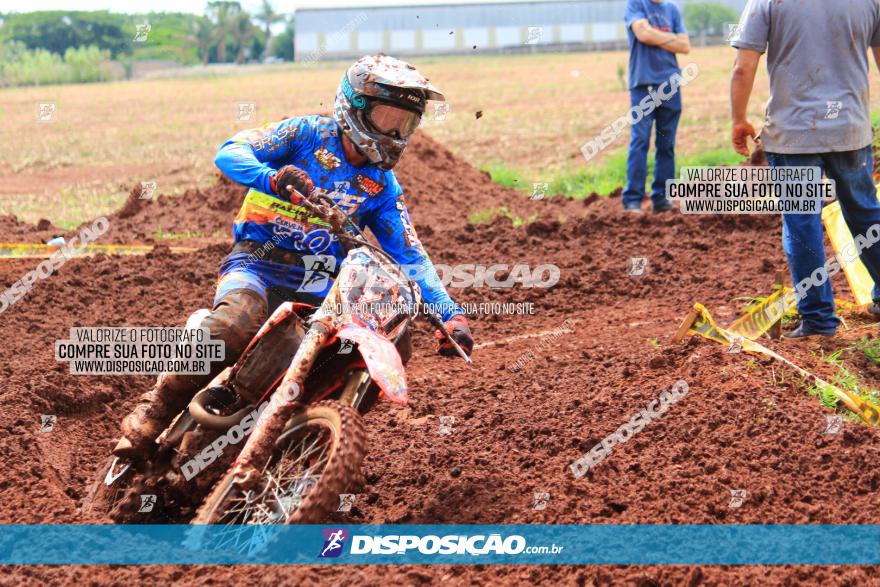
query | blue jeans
[666, 117]
[802, 234]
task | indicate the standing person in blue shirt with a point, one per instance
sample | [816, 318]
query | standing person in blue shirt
[655, 34]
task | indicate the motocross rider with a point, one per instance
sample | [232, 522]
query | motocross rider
[379, 104]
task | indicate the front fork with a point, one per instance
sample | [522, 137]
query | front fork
[356, 387]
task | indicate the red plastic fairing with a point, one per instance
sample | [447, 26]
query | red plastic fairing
[382, 359]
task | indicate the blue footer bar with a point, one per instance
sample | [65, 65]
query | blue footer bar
[442, 544]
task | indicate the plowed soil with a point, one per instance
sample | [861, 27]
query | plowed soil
[746, 423]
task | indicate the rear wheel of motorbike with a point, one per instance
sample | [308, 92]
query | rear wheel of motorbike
[316, 458]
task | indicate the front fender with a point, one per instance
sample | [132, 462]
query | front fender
[382, 359]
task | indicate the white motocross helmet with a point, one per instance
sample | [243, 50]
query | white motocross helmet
[379, 104]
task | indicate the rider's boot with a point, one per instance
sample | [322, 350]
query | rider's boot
[234, 320]
[153, 413]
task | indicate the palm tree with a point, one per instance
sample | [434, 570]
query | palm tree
[201, 33]
[222, 14]
[242, 33]
[268, 17]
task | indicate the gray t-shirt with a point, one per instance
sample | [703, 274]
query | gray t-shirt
[817, 56]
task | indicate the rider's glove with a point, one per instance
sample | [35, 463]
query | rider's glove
[293, 176]
[458, 328]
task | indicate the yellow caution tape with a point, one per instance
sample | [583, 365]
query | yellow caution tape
[30, 251]
[699, 321]
[760, 318]
[857, 275]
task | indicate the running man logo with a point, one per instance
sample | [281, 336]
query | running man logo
[533, 35]
[350, 202]
[345, 346]
[833, 108]
[46, 111]
[246, 111]
[733, 31]
[833, 423]
[737, 498]
[148, 502]
[47, 422]
[441, 111]
[148, 188]
[446, 425]
[638, 266]
[736, 345]
[540, 499]
[318, 268]
[539, 190]
[142, 31]
[346, 502]
[334, 540]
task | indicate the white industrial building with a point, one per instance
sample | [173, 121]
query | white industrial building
[457, 28]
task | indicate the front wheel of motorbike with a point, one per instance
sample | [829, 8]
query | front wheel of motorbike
[114, 491]
[316, 458]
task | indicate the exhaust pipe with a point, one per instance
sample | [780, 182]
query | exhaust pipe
[199, 409]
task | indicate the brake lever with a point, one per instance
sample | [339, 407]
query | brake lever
[437, 323]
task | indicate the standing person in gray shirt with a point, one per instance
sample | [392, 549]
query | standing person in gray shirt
[818, 116]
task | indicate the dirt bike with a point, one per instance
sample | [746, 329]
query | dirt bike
[297, 394]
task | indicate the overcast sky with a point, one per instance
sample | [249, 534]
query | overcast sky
[198, 6]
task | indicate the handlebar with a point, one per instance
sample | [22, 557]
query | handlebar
[321, 204]
[437, 323]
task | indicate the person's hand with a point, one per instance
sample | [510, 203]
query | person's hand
[458, 329]
[741, 132]
[289, 177]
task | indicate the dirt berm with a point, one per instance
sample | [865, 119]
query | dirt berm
[515, 433]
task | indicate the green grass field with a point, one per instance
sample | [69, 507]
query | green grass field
[536, 112]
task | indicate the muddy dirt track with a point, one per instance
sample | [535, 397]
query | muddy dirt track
[744, 424]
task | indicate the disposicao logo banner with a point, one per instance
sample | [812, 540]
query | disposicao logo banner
[611, 544]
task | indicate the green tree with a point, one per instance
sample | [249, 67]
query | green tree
[87, 64]
[282, 45]
[201, 33]
[169, 37]
[267, 16]
[20, 66]
[242, 35]
[222, 15]
[705, 19]
[57, 30]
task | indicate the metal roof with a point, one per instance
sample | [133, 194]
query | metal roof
[489, 14]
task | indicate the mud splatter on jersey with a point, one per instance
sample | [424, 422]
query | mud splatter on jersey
[371, 196]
